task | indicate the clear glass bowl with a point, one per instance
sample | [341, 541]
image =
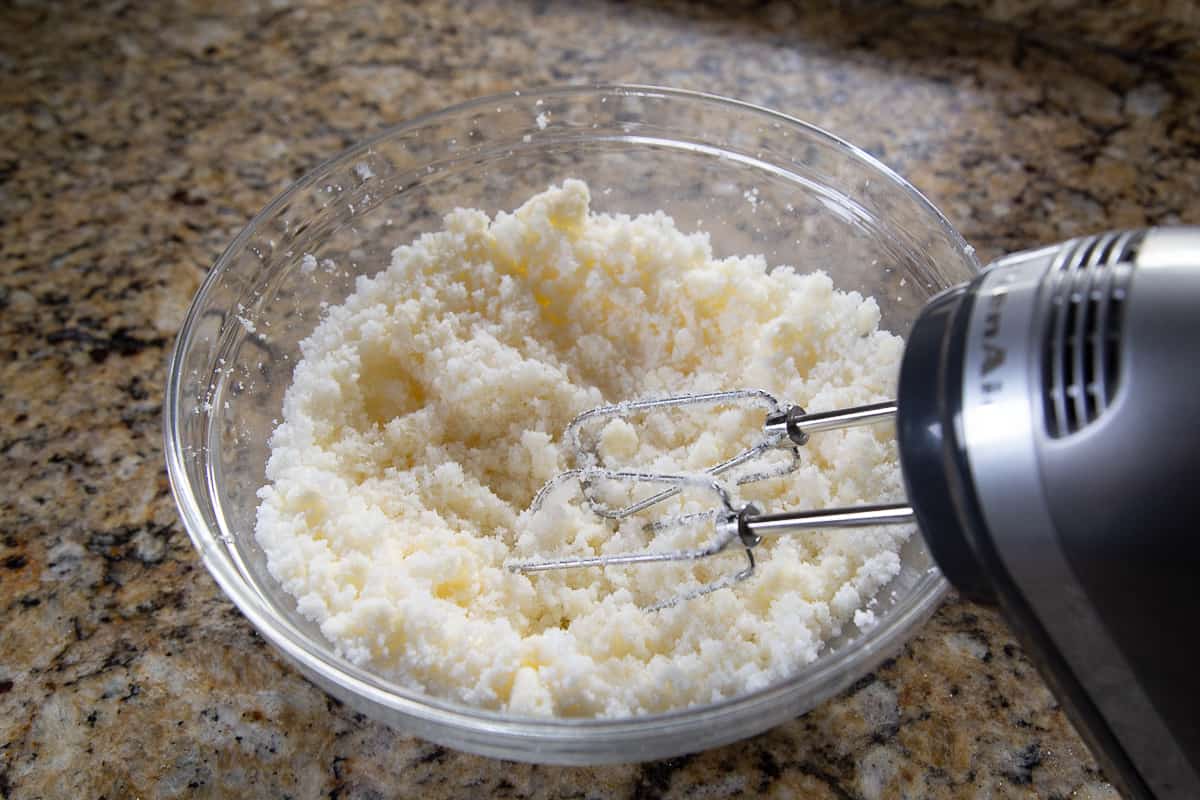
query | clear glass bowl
[757, 181]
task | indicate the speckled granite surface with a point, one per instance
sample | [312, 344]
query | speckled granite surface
[1159, 28]
[136, 139]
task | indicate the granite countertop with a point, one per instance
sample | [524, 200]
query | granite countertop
[136, 139]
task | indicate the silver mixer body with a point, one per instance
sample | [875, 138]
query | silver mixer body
[1048, 427]
[1049, 434]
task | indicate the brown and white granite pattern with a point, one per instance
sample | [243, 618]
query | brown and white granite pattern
[1164, 29]
[137, 138]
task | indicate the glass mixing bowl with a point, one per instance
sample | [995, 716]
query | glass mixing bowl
[757, 181]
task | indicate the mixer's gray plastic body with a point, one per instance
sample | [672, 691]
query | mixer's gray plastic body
[1058, 396]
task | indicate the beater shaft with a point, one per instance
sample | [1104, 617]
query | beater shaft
[796, 424]
[854, 517]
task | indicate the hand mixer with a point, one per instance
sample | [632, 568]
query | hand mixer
[1047, 427]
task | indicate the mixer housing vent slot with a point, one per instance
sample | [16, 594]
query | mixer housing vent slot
[1086, 291]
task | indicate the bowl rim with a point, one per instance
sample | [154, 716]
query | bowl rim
[316, 657]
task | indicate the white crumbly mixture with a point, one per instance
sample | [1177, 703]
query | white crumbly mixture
[427, 411]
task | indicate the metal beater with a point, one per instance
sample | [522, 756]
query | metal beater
[786, 427]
